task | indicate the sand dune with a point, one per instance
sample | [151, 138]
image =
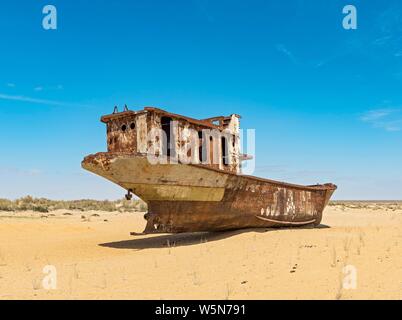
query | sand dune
[96, 258]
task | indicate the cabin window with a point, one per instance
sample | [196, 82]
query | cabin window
[200, 147]
[211, 159]
[123, 127]
[225, 151]
[132, 126]
[166, 127]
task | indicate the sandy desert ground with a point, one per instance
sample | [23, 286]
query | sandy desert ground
[96, 258]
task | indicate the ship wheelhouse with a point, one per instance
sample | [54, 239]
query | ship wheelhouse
[212, 142]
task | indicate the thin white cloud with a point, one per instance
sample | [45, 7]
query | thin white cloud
[21, 172]
[387, 119]
[382, 40]
[47, 88]
[282, 49]
[374, 115]
[10, 85]
[38, 101]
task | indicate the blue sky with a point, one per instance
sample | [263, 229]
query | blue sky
[326, 102]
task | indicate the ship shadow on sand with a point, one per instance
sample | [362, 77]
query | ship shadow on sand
[187, 239]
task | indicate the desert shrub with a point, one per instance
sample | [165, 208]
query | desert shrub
[45, 205]
[40, 209]
[6, 205]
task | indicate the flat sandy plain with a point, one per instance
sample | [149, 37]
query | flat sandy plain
[95, 257]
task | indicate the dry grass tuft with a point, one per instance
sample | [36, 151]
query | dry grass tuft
[373, 205]
[43, 205]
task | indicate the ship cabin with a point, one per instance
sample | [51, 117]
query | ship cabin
[212, 142]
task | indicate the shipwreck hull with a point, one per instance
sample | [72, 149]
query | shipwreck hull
[192, 198]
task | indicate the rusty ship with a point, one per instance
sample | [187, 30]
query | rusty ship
[189, 172]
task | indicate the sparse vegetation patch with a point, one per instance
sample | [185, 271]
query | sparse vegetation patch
[43, 205]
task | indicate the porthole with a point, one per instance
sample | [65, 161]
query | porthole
[123, 127]
[132, 126]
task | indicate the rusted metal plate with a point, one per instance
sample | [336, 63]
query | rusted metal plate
[122, 134]
[129, 132]
[185, 198]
